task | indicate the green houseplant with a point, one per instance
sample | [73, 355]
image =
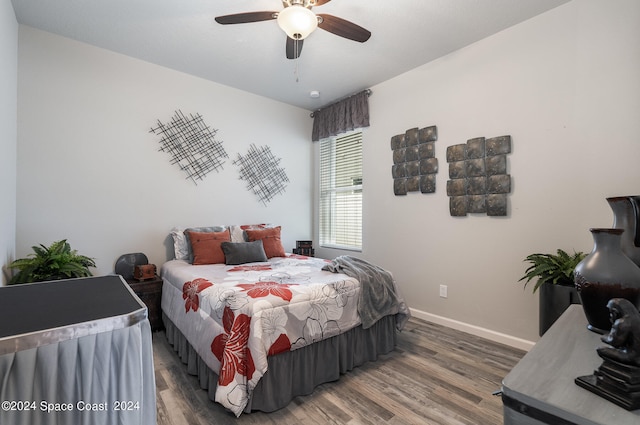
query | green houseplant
[556, 269]
[554, 274]
[55, 262]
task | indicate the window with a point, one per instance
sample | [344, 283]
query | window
[340, 212]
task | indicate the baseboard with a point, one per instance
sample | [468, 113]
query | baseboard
[509, 340]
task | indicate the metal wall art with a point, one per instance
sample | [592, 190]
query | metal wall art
[479, 182]
[191, 144]
[414, 162]
[262, 172]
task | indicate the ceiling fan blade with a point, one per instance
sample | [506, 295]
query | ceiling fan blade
[321, 2]
[294, 48]
[244, 18]
[343, 28]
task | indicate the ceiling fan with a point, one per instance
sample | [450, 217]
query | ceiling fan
[298, 21]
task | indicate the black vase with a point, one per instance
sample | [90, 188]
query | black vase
[626, 216]
[604, 274]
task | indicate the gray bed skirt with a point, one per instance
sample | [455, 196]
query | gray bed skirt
[295, 373]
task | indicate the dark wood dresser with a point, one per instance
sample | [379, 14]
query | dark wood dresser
[150, 292]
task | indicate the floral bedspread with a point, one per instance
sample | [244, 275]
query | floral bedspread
[237, 316]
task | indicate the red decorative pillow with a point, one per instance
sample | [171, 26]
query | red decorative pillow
[206, 246]
[270, 240]
[237, 230]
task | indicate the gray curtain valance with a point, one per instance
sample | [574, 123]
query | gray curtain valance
[345, 115]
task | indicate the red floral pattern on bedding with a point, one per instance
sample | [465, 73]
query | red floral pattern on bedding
[281, 345]
[263, 289]
[230, 348]
[248, 312]
[305, 257]
[251, 268]
[299, 257]
[190, 291]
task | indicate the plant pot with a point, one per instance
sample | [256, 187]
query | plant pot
[604, 274]
[554, 300]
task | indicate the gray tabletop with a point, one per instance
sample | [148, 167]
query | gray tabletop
[544, 378]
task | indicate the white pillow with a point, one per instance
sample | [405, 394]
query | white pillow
[180, 244]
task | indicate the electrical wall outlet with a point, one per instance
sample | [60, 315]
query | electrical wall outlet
[443, 291]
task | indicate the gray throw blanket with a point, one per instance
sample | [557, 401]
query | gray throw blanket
[378, 294]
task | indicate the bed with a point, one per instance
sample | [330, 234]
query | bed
[259, 326]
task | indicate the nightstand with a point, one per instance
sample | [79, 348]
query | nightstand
[150, 292]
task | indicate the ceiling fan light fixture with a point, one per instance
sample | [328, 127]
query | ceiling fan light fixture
[297, 21]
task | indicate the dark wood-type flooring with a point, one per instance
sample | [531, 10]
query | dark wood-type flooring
[436, 375]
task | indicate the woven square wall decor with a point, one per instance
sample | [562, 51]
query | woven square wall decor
[478, 180]
[414, 163]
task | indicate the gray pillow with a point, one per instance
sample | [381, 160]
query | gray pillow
[243, 252]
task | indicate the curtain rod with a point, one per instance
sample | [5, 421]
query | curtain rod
[367, 91]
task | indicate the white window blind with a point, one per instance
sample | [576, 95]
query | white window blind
[341, 192]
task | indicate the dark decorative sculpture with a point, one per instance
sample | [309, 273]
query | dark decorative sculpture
[624, 335]
[191, 144]
[618, 377]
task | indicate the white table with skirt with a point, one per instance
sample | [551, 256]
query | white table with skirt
[75, 351]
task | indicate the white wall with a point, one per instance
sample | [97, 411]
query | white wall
[8, 132]
[90, 171]
[565, 86]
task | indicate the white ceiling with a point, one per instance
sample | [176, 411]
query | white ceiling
[182, 35]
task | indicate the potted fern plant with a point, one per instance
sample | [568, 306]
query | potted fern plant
[55, 262]
[555, 279]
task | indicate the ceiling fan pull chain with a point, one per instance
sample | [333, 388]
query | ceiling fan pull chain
[297, 60]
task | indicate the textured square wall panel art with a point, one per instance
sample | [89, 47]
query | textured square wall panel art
[478, 180]
[262, 173]
[414, 163]
[192, 145]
